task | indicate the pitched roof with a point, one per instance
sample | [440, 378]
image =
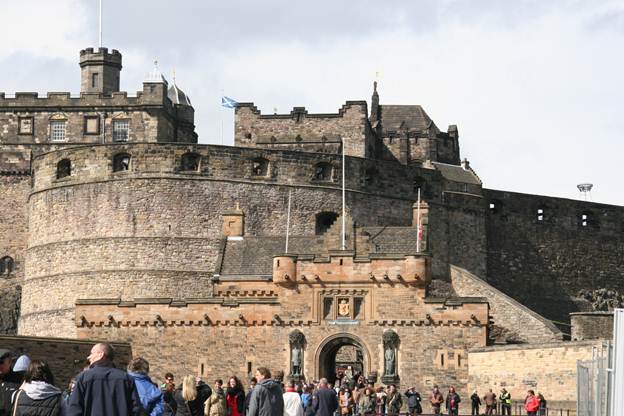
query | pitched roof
[254, 255]
[411, 117]
[457, 173]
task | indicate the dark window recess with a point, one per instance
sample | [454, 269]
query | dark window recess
[259, 167]
[121, 162]
[327, 308]
[94, 80]
[190, 162]
[324, 220]
[6, 265]
[357, 308]
[369, 176]
[540, 215]
[63, 168]
[495, 207]
[322, 172]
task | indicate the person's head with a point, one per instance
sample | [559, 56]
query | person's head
[138, 365]
[368, 391]
[503, 390]
[262, 373]
[6, 359]
[490, 390]
[234, 382]
[474, 392]
[71, 385]
[379, 389]
[322, 383]
[38, 371]
[452, 389]
[101, 351]
[435, 388]
[531, 393]
[253, 382]
[169, 378]
[218, 384]
[189, 388]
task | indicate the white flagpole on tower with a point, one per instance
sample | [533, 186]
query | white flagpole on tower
[288, 220]
[344, 241]
[100, 39]
[418, 231]
[221, 114]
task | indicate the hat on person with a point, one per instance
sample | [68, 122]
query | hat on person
[4, 353]
[21, 364]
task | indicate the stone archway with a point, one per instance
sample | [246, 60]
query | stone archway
[326, 355]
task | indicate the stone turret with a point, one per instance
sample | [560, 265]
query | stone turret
[99, 70]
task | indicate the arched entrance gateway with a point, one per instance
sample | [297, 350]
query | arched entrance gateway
[337, 352]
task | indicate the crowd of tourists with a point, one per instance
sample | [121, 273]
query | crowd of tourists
[27, 389]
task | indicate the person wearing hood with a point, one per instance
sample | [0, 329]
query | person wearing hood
[266, 398]
[11, 377]
[38, 396]
[102, 389]
[151, 397]
[235, 397]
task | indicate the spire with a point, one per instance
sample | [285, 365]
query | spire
[155, 76]
[374, 117]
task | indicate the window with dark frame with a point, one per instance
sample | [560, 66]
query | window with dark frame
[322, 172]
[26, 126]
[259, 167]
[94, 80]
[7, 265]
[190, 162]
[121, 162]
[121, 130]
[63, 169]
[57, 130]
[92, 125]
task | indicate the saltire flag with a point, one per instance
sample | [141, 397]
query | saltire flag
[227, 102]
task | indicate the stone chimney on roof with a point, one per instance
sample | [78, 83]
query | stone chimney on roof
[465, 164]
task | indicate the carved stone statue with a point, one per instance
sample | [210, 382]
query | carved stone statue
[390, 345]
[297, 341]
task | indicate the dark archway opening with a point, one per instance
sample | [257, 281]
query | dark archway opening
[340, 356]
[324, 220]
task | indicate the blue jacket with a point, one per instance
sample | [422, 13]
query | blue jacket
[103, 390]
[151, 397]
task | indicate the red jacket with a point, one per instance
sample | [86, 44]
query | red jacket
[531, 404]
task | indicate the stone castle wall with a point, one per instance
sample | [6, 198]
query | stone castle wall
[543, 264]
[591, 325]
[154, 231]
[15, 187]
[546, 368]
[524, 325]
[307, 132]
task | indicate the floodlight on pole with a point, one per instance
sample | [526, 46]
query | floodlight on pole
[585, 189]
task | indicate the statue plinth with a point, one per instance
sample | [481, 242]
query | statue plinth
[387, 380]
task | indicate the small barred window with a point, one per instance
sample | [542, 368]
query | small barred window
[120, 130]
[57, 131]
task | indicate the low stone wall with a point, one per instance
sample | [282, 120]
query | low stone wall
[546, 368]
[66, 357]
[528, 326]
[591, 325]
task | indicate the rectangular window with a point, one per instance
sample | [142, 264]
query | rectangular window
[26, 126]
[92, 125]
[120, 130]
[57, 131]
[94, 80]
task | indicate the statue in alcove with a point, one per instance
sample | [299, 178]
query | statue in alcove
[297, 343]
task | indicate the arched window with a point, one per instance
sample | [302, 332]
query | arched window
[121, 162]
[322, 172]
[190, 162]
[6, 265]
[324, 220]
[63, 168]
[259, 167]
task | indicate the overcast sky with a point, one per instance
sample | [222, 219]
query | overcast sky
[535, 87]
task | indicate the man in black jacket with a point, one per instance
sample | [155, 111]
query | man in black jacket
[103, 390]
[324, 400]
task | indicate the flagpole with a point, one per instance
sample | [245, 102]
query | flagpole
[221, 113]
[288, 220]
[100, 39]
[343, 198]
[418, 224]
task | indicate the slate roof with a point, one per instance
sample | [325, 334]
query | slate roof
[457, 173]
[177, 96]
[412, 117]
[254, 255]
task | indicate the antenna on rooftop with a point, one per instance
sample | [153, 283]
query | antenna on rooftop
[585, 189]
[100, 33]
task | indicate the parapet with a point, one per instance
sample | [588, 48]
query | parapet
[101, 56]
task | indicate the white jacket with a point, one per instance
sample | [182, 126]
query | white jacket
[292, 404]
